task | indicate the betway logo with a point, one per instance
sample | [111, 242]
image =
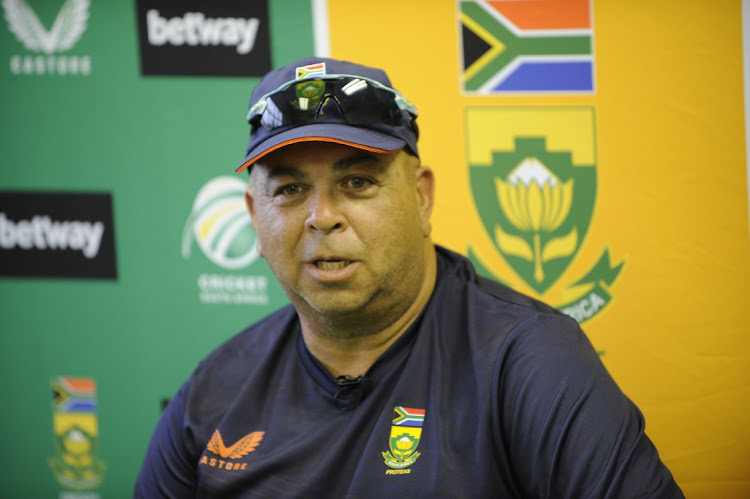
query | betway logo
[42, 233]
[194, 28]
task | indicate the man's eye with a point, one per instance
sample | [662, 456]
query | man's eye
[288, 190]
[358, 182]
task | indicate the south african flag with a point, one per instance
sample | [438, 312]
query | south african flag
[520, 46]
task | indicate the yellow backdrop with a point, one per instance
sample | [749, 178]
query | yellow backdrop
[671, 202]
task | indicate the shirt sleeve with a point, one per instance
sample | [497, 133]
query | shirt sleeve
[569, 429]
[169, 469]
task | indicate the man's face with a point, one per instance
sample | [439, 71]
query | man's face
[343, 230]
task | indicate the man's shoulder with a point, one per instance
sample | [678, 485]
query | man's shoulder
[494, 319]
[257, 341]
[504, 294]
[486, 294]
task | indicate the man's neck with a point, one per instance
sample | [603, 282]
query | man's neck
[353, 355]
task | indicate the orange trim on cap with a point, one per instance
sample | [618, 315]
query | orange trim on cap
[309, 139]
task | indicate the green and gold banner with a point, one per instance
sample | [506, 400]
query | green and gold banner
[126, 248]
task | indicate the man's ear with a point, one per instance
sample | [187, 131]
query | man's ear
[250, 201]
[425, 197]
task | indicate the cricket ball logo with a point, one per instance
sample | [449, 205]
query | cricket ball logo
[220, 223]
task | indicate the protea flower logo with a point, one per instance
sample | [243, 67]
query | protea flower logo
[220, 224]
[74, 419]
[535, 202]
[529, 208]
[406, 431]
[533, 177]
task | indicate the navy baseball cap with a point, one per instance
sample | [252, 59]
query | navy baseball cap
[380, 136]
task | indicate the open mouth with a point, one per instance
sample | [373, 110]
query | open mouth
[331, 264]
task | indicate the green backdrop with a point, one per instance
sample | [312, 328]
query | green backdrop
[153, 143]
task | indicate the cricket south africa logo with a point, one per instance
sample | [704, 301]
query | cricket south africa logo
[533, 178]
[220, 224]
[74, 420]
[69, 25]
[406, 432]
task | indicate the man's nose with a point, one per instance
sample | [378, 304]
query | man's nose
[325, 214]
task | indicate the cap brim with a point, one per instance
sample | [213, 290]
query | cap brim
[361, 138]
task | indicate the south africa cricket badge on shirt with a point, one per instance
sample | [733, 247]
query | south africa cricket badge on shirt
[406, 432]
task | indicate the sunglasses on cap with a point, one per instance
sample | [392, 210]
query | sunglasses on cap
[360, 100]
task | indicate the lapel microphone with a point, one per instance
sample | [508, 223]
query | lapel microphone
[351, 391]
[346, 380]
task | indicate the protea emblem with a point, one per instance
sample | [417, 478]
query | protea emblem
[533, 175]
[406, 432]
[528, 208]
[403, 450]
[309, 94]
[74, 419]
[535, 202]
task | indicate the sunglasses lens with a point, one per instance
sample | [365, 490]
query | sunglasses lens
[362, 103]
[358, 101]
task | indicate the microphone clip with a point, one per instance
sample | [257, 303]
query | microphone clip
[347, 380]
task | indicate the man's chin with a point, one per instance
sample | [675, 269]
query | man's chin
[340, 309]
[346, 316]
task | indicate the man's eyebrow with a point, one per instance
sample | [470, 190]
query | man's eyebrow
[362, 160]
[366, 160]
[285, 171]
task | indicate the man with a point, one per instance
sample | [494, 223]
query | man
[396, 370]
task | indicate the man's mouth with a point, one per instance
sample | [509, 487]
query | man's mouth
[331, 264]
